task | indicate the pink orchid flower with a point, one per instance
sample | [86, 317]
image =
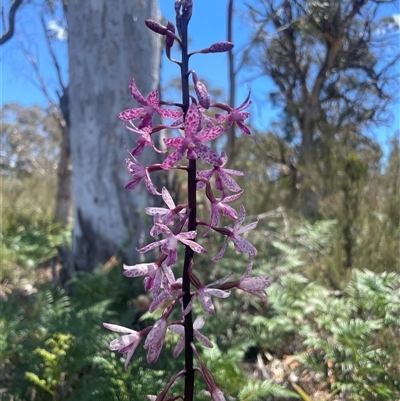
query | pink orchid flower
[192, 143]
[151, 104]
[125, 344]
[163, 215]
[179, 329]
[204, 293]
[223, 179]
[253, 285]
[233, 234]
[139, 172]
[145, 138]
[235, 115]
[169, 244]
[157, 273]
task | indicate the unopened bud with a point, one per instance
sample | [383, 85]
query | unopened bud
[170, 39]
[221, 47]
[156, 27]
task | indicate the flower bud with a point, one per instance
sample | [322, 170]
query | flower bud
[220, 47]
[156, 27]
[170, 39]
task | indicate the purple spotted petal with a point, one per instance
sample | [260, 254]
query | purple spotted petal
[254, 283]
[205, 300]
[132, 184]
[211, 134]
[142, 269]
[244, 246]
[172, 114]
[241, 218]
[171, 160]
[249, 227]
[221, 252]
[153, 99]
[202, 94]
[179, 347]
[193, 245]
[218, 293]
[187, 235]
[131, 114]
[155, 340]
[151, 246]
[207, 154]
[207, 174]
[123, 342]
[167, 198]
[203, 339]
[228, 182]
[243, 128]
[232, 198]
[174, 142]
[149, 184]
[192, 121]
[136, 94]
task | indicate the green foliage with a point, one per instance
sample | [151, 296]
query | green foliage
[65, 336]
[53, 363]
[267, 390]
[28, 233]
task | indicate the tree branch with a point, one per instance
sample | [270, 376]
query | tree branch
[11, 22]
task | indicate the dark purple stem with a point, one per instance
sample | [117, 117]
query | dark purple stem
[188, 323]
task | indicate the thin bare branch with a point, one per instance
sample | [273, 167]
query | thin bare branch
[52, 53]
[11, 21]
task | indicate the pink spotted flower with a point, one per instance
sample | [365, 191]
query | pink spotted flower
[193, 142]
[126, 344]
[236, 115]
[233, 234]
[223, 179]
[163, 215]
[179, 329]
[169, 244]
[157, 274]
[139, 172]
[253, 285]
[204, 293]
[150, 105]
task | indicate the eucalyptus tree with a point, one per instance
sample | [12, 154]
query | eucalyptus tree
[334, 68]
[107, 44]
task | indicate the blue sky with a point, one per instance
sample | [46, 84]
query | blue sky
[208, 25]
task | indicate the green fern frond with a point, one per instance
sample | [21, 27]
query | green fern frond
[255, 390]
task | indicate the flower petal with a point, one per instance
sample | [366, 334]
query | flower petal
[142, 269]
[131, 114]
[119, 329]
[171, 160]
[135, 93]
[207, 154]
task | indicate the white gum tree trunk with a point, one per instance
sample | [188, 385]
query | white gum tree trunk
[108, 44]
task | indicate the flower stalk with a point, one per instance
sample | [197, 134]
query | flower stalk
[178, 225]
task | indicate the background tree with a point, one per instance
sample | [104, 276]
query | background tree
[30, 141]
[333, 64]
[9, 20]
[52, 17]
[107, 46]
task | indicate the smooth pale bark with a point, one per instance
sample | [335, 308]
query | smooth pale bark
[108, 44]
